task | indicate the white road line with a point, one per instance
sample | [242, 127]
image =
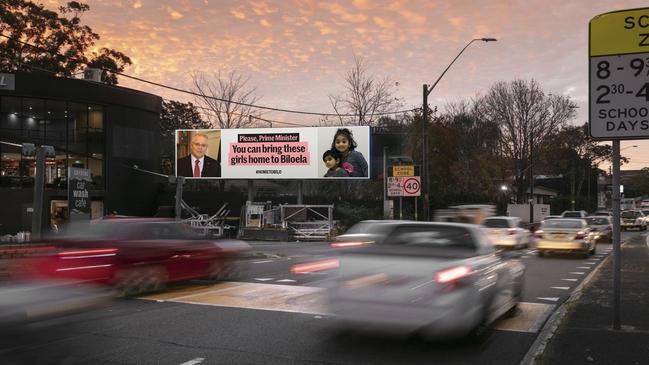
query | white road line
[195, 361]
[570, 279]
[584, 267]
[577, 273]
[263, 279]
[595, 259]
[286, 281]
[560, 287]
[262, 262]
[590, 263]
[551, 299]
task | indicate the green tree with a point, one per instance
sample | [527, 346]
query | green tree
[178, 115]
[37, 38]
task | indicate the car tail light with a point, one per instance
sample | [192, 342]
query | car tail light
[316, 266]
[511, 231]
[347, 244]
[452, 274]
[88, 253]
[538, 234]
[580, 235]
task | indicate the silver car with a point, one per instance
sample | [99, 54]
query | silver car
[444, 280]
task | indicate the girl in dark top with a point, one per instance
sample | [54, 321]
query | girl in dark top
[331, 159]
[350, 159]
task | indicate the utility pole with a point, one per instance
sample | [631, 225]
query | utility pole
[531, 179]
[425, 189]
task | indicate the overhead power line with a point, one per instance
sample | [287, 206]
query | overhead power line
[207, 96]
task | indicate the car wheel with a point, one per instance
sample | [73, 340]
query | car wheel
[225, 269]
[134, 281]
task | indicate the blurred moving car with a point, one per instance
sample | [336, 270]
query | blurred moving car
[601, 228]
[646, 215]
[631, 219]
[444, 280]
[506, 232]
[136, 255]
[607, 213]
[574, 214]
[565, 234]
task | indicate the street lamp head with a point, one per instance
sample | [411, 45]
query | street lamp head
[503, 187]
[488, 39]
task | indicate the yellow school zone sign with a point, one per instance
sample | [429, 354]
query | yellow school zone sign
[619, 75]
[620, 32]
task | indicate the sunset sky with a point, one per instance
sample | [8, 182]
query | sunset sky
[297, 51]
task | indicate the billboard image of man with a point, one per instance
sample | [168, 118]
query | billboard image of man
[198, 164]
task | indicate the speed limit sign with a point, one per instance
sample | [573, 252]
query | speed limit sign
[412, 186]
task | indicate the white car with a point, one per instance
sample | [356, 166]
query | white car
[630, 219]
[505, 232]
[443, 280]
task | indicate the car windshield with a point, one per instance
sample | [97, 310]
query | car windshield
[597, 221]
[572, 215]
[420, 240]
[630, 214]
[128, 230]
[496, 223]
[370, 227]
[562, 223]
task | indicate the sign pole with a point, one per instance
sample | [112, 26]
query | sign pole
[616, 235]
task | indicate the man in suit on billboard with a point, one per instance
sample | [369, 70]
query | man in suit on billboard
[198, 164]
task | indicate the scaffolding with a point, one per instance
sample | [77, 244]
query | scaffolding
[308, 222]
[209, 225]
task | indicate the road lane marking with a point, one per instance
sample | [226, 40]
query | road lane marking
[195, 361]
[560, 287]
[577, 273]
[286, 281]
[589, 263]
[262, 261]
[583, 267]
[570, 279]
[551, 299]
[263, 279]
[311, 300]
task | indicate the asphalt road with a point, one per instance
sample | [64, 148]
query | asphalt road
[191, 324]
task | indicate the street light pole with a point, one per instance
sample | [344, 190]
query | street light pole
[424, 124]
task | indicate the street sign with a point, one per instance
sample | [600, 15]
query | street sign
[619, 75]
[78, 198]
[403, 170]
[404, 186]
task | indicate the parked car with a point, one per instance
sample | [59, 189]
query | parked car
[135, 255]
[506, 232]
[565, 235]
[574, 214]
[631, 219]
[601, 228]
[442, 279]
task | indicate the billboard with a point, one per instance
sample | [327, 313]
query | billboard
[274, 153]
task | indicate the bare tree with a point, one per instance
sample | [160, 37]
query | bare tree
[526, 116]
[365, 96]
[229, 98]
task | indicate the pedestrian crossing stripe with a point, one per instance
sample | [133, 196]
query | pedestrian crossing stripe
[310, 300]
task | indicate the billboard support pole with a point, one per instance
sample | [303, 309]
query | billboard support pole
[300, 192]
[180, 181]
[251, 196]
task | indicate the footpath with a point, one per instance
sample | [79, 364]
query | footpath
[585, 335]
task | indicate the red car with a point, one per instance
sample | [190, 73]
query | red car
[136, 255]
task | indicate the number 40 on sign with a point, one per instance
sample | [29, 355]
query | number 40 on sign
[404, 186]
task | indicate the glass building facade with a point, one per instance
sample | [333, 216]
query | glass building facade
[75, 130]
[104, 128]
